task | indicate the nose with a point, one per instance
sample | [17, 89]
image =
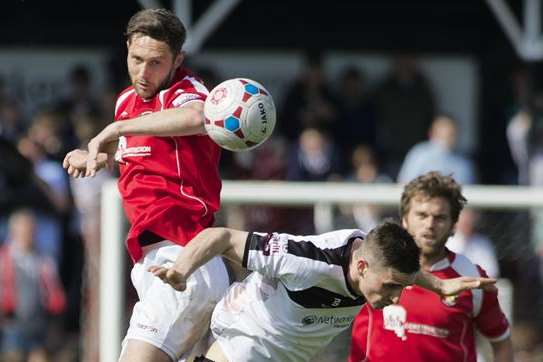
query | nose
[430, 222]
[144, 71]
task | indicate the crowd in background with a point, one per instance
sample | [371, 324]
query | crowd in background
[327, 130]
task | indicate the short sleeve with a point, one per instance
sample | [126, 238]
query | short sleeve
[491, 321]
[268, 254]
[188, 90]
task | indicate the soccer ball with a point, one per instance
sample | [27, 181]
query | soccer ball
[239, 114]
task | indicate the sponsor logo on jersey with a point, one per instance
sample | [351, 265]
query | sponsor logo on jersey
[123, 151]
[330, 320]
[275, 245]
[184, 98]
[395, 319]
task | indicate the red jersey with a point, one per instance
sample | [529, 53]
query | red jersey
[170, 186]
[423, 327]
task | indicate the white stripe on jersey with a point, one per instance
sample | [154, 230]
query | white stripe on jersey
[465, 267]
[197, 85]
[121, 99]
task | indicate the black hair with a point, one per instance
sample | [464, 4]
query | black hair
[395, 247]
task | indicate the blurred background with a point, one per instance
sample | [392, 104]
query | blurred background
[367, 92]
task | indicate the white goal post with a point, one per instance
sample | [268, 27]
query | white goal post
[323, 196]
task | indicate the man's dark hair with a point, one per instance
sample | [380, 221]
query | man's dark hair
[159, 24]
[434, 184]
[395, 247]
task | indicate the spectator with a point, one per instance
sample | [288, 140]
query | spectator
[525, 136]
[19, 185]
[356, 123]
[405, 107]
[80, 98]
[49, 223]
[309, 102]
[366, 171]
[475, 246]
[12, 121]
[314, 158]
[528, 340]
[268, 162]
[30, 291]
[438, 154]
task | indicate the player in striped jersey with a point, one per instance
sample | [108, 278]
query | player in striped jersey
[304, 290]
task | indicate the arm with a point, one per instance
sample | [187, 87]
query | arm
[184, 121]
[452, 287]
[207, 244]
[503, 350]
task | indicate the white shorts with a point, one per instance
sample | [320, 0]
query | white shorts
[170, 320]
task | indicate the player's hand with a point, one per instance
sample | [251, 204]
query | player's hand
[170, 276]
[108, 134]
[453, 287]
[75, 163]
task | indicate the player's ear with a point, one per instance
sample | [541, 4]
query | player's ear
[453, 230]
[404, 222]
[179, 59]
[362, 267]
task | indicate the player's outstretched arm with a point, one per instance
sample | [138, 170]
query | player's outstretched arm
[184, 121]
[207, 244]
[451, 287]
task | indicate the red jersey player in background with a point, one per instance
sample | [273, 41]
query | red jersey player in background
[169, 183]
[422, 326]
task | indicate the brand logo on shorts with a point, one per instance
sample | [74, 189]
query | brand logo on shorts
[147, 328]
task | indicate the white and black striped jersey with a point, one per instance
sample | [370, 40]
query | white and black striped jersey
[296, 301]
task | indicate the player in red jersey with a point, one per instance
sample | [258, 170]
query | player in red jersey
[422, 326]
[169, 183]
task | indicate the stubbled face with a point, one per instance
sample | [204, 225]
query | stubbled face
[151, 65]
[382, 286]
[430, 223]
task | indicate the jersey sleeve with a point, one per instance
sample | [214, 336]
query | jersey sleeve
[278, 256]
[491, 321]
[189, 90]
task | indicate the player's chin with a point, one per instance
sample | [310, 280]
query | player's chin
[145, 92]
